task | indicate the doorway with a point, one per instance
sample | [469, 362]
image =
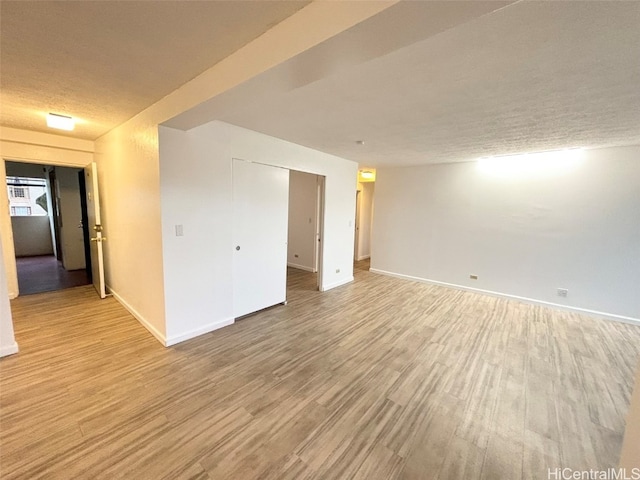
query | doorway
[304, 240]
[49, 234]
[363, 220]
[277, 234]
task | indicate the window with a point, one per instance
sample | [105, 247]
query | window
[18, 192]
[27, 196]
[20, 211]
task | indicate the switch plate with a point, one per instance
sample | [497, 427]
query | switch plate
[179, 231]
[473, 276]
[563, 292]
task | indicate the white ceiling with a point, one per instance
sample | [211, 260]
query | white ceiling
[421, 82]
[105, 61]
[531, 76]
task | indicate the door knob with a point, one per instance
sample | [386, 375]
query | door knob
[238, 247]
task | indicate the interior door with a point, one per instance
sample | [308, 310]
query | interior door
[95, 224]
[260, 223]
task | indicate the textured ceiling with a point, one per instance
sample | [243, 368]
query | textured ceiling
[531, 76]
[105, 61]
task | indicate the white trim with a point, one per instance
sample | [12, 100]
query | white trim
[593, 313]
[9, 349]
[363, 257]
[301, 267]
[324, 288]
[198, 331]
[13, 295]
[145, 323]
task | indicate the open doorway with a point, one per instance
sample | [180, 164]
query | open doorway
[306, 201]
[364, 218]
[50, 232]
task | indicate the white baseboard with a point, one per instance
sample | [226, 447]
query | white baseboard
[199, 331]
[168, 341]
[301, 267]
[324, 288]
[532, 301]
[9, 349]
[13, 295]
[145, 323]
[363, 257]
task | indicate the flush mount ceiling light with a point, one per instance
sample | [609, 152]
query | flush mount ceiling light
[61, 122]
[366, 174]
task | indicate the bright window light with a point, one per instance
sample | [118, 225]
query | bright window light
[531, 164]
[61, 122]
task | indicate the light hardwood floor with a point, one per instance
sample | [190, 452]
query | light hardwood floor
[379, 379]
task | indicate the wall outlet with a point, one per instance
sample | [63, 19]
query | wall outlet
[295, 255]
[337, 270]
[473, 277]
[563, 292]
[179, 231]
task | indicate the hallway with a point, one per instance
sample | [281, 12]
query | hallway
[45, 273]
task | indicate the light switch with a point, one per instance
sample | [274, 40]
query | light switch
[179, 231]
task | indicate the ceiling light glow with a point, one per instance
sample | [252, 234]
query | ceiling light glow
[367, 174]
[530, 165]
[61, 122]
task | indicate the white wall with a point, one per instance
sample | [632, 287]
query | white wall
[303, 204]
[71, 234]
[129, 183]
[366, 219]
[526, 236]
[128, 156]
[196, 186]
[8, 343]
[32, 236]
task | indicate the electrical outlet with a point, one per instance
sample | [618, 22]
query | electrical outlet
[295, 255]
[179, 231]
[337, 270]
[473, 277]
[563, 292]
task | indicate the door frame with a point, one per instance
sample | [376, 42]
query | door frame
[9, 247]
[320, 211]
[356, 236]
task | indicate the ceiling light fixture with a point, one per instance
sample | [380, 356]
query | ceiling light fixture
[366, 174]
[61, 122]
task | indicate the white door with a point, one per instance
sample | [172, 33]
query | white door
[95, 226]
[260, 223]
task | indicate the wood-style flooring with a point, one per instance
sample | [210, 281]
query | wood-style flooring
[45, 274]
[379, 379]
